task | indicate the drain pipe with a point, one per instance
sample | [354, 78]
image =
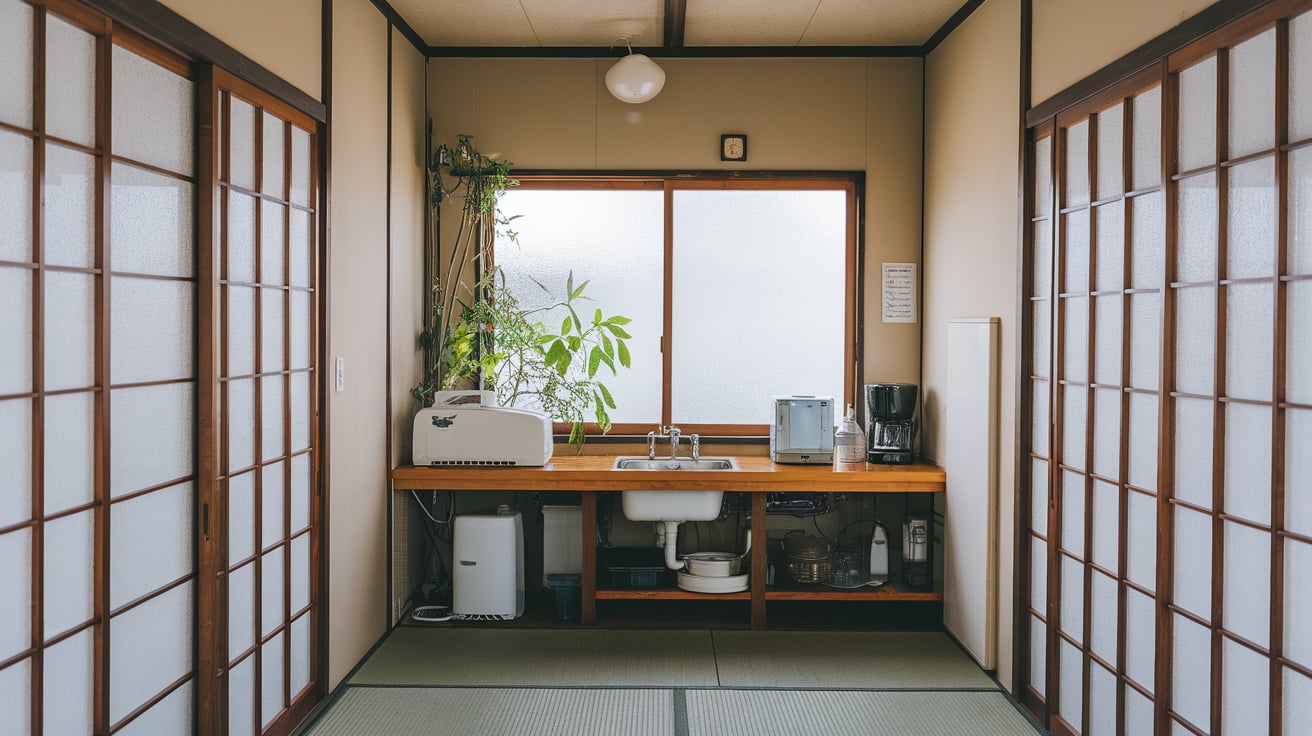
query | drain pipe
[671, 538]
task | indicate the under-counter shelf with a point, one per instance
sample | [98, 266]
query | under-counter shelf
[669, 594]
[889, 592]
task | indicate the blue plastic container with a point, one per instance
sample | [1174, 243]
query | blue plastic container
[569, 594]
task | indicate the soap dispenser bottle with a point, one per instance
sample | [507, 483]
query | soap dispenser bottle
[849, 444]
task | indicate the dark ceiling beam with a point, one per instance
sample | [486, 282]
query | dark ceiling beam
[685, 52]
[950, 25]
[676, 16]
[401, 25]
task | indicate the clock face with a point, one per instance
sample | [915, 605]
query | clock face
[733, 148]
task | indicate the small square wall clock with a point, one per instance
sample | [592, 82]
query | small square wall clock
[733, 147]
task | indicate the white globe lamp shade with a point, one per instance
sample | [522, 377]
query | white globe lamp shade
[635, 78]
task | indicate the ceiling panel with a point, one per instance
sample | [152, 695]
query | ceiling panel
[876, 22]
[468, 22]
[596, 22]
[747, 22]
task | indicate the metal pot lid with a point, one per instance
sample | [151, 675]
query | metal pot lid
[712, 556]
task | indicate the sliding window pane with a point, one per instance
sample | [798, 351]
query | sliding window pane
[1298, 602]
[154, 436]
[1298, 474]
[241, 698]
[1077, 165]
[272, 502]
[241, 144]
[272, 675]
[1148, 232]
[1248, 462]
[1193, 451]
[241, 610]
[173, 714]
[68, 685]
[272, 330]
[152, 111]
[1245, 689]
[15, 331]
[1143, 442]
[1191, 670]
[1140, 638]
[1192, 588]
[1109, 249]
[1102, 611]
[68, 557]
[15, 462]
[15, 194]
[1145, 340]
[70, 82]
[16, 604]
[1040, 422]
[1102, 691]
[1253, 95]
[1251, 244]
[150, 542]
[1043, 176]
[69, 207]
[1141, 539]
[151, 647]
[302, 652]
[1246, 604]
[1111, 131]
[1075, 250]
[1249, 341]
[1072, 513]
[1070, 695]
[300, 183]
[1298, 342]
[1107, 434]
[1300, 77]
[1107, 340]
[1300, 210]
[273, 143]
[1147, 144]
[1106, 527]
[1072, 598]
[1196, 249]
[1042, 338]
[16, 52]
[299, 247]
[240, 233]
[68, 476]
[1195, 339]
[273, 248]
[1075, 361]
[1075, 418]
[151, 229]
[70, 357]
[151, 334]
[1197, 119]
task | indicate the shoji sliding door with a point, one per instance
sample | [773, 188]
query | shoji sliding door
[97, 378]
[1171, 483]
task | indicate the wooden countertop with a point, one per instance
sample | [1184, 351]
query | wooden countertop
[597, 473]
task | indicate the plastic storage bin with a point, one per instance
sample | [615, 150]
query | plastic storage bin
[569, 599]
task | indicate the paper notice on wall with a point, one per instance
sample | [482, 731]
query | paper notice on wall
[899, 292]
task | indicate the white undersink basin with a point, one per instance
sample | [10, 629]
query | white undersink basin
[671, 505]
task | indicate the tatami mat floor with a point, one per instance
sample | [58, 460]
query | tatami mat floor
[668, 683]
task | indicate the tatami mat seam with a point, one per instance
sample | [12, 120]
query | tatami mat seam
[745, 688]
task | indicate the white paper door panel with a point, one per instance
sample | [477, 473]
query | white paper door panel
[970, 586]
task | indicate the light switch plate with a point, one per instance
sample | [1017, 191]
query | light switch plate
[341, 374]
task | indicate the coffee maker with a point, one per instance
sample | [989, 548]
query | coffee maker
[891, 423]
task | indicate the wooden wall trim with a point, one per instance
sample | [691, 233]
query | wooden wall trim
[400, 24]
[1022, 492]
[955, 22]
[165, 26]
[1205, 22]
[682, 52]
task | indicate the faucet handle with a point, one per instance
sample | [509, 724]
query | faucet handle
[696, 445]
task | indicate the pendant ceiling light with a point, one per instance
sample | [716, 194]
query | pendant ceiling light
[635, 78]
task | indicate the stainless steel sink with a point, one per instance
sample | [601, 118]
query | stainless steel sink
[683, 463]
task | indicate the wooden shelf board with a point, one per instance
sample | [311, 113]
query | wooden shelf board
[669, 594]
[887, 593]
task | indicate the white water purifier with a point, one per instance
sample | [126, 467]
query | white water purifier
[488, 581]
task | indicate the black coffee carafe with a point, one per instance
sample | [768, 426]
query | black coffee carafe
[891, 423]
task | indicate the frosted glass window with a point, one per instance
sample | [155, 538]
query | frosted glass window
[1072, 513]
[241, 610]
[1252, 224]
[271, 427]
[1245, 689]
[1145, 340]
[152, 110]
[300, 584]
[565, 232]
[1140, 638]
[1198, 117]
[153, 429]
[273, 329]
[1296, 701]
[1253, 95]
[241, 424]
[16, 695]
[1076, 250]
[300, 247]
[68, 684]
[1298, 342]
[271, 591]
[173, 714]
[15, 189]
[1193, 562]
[240, 317]
[1147, 143]
[69, 425]
[1039, 496]
[1249, 341]
[1192, 670]
[1107, 340]
[70, 314]
[16, 604]
[241, 145]
[1299, 210]
[16, 43]
[301, 152]
[1141, 539]
[15, 462]
[1109, 246]
[299, 667]
[241, 517]
[1193, 451]
[1043, 176]
[301, 320]
[1111, 131]
[152, 648]
[273, 500]
[273, 242]
[1042, 338]
[1196, 250]
[151, 226]
[150, 542]
[300, 492]
[16, 330]
[1138, 713]
[1246, 595]
[718, 375]
[69, 560]
[272, 675]
[241, 699]
[1075, 366]
[273, 144]
[1102, 611]
[1106, 524]
[151, 329]
[70, 82]
[1298, 602]
[1248, 461]
[300, 411]
[69, 206]
[1149, 237]
[1038, 655]
[1072, 598]
[1075, 418]
[1042, 259]
[1143, 442]
[1107, 432]
[1102, 699]
[1071, 677]
[1195, 339]
[1300, 77]
[241, 237]
[1298, 473]
[1038, 574]
[1040, 403]
[1077, 165]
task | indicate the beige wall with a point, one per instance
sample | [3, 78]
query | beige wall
[357, 515]
[409, 123]
[972, 126]
[1074, 38]
[799, 114]
[283, 36]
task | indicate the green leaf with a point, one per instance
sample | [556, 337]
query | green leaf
[596, 318]
[618, 331]
[606, 359]
[608, 346]
[564, 326]
[556, 352]
[576, 433]
[594, 360]
[618, 320]
[624, 353]
[569, 283]
[603, 419]
[544, 339]
[574, 343]
[576, 293]
[605, 394]
[578, 323]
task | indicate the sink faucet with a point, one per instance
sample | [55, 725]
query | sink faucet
[651, 445]
[674, 442]
[672, 434]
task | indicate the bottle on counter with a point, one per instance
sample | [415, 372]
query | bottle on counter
[849, 444]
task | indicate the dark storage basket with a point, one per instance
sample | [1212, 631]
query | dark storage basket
[633, 568]
[569, 594]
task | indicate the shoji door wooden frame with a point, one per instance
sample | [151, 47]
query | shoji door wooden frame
[1273, 15]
